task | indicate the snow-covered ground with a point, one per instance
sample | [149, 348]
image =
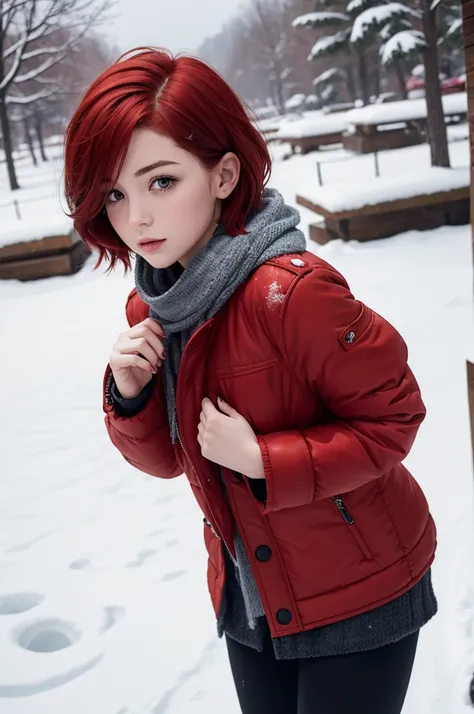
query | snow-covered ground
[103, 600]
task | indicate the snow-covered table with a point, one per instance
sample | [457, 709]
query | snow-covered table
[389, 205]
[394, 125]
[312, 132]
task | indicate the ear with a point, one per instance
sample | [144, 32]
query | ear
[227, 174]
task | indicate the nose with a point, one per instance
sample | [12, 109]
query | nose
[139, 215]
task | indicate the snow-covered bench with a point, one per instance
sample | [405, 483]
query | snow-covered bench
[383, 207]
[26, 253]
[394, 125]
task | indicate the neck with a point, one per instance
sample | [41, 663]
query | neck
[186, 259]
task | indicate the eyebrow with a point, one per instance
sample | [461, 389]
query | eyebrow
[146, 169]
[151, 167]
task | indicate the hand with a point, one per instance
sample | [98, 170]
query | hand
[136, 356]
[227, 439]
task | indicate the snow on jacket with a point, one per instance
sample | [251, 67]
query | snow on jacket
[343, 527]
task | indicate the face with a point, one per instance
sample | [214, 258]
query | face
[165, 205]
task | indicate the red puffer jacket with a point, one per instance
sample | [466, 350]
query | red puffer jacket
[324, 382]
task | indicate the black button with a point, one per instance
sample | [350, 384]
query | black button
[284, 616]
[263, 553]
[350, 337]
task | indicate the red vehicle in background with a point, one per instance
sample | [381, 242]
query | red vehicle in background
[415, 84]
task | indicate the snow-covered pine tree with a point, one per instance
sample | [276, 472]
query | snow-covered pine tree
[450, 36]
[400, 42]
[356, 26]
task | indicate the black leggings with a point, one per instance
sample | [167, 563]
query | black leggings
[373, 682]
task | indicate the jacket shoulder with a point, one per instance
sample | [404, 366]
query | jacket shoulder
[135, 309]
[277, 278]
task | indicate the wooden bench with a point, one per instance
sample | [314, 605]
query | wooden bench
[306, 144]
[387, 219]
[45, 258]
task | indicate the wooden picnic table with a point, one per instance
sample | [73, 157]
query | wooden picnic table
[397, 124]
[388, 218]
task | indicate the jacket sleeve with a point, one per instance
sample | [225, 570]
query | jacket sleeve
[357, 363]
[142, 438]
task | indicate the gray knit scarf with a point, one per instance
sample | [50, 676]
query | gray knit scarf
[182, 304]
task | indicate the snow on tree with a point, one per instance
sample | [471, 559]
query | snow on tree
[401, 45]
[456, 28]
[358, 5]
[331, 44]
[374, 18]
[31, 43]
[320, 19]
[330, 75]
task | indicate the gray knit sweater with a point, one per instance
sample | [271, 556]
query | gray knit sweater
[381, 626]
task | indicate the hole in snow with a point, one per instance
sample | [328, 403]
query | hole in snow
[112, 615]
[80, 564]
[173, 576]
[48, 636]
[19, 602]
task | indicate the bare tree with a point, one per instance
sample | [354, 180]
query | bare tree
[65, 82]
[32, 41]
[269, 33]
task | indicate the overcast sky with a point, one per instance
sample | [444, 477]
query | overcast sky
[177, 25]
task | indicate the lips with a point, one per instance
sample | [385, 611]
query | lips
[150, 244]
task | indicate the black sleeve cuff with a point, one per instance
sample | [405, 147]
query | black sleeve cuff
[131, 407]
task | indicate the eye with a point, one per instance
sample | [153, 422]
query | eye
[114, 196]
[163, 183]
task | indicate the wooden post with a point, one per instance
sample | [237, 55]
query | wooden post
[17, 209]
[377, 168]
[320, 175]
[468, 30]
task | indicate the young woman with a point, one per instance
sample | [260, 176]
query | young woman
[249, 366]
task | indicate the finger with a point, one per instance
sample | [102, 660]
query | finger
[142, 331]
[201, 431]
[208, 407]
[139, 346]
[227, 409]
[124, 361]
[153, 325]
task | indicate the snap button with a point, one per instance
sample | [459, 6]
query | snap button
[263, 553]
[298, 262]
[350, 337]
[284, 616]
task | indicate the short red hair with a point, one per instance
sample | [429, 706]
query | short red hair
[180, 97]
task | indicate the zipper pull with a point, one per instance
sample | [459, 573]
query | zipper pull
[213, 530]
[343, 510]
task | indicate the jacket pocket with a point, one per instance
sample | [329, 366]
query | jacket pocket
[351, 524]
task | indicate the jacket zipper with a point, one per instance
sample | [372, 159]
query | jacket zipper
[343, 510]
[357, 535]
[207, 523]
